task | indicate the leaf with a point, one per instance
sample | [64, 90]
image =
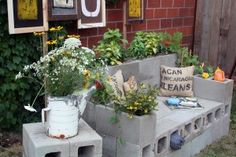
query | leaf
[121, 141]
[114, 119]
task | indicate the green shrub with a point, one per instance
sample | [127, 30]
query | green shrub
[143, 45]
[16, 51]
[110, 48]
[147, 44]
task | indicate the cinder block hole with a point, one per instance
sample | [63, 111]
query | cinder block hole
[54, 154]
[182, 132]
[147, 151]
[209, 118]
[86, 151]
[226, 109]
[162, 144]
[218, 113]
[197, 124]
[187, 130]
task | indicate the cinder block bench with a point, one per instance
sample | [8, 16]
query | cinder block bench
[36, 144]
[199, 127]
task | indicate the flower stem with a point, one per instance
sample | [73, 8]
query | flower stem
[37, 95]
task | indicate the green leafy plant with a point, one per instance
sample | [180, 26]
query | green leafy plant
[170, 43]
[147, 44]
[143, 45]
[204, 71]
[138, 102]
[186, 58]
[104, 95]
[66, 68]
[16, 51]
[110, 48]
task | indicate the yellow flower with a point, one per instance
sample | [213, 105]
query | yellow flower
[38, 33]
[52, 29]
[205, 75]
[109, 79]
[86, 73]
[145, 111]
[52, 59]
[51, 42]
[59, 28]
[130, 116]
[73, 36]
[61, 37]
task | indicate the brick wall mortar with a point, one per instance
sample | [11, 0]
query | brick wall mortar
[169, 15]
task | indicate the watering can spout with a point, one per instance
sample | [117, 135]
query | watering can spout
[83, 98]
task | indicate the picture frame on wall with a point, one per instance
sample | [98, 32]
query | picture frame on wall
[27, 16]
[135, 10]
[92, 14]
[61, 10]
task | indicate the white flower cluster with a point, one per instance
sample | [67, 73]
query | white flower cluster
[72, 43]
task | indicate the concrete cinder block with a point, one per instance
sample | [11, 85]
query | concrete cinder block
[132, 150]
[89, 115]
[37, 144]
[162, 145]
[200, 142]
[128, 69]
[150, 68]
[109, 145]
[129, 150]
[103, 124]
[137, 130]
[213, 90]
[88, 143]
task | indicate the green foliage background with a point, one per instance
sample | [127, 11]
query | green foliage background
[15, 52]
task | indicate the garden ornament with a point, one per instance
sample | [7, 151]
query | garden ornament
[64, 113]
[219, 75]
[176, 141]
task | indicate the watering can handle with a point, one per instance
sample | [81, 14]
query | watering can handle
[43, 113]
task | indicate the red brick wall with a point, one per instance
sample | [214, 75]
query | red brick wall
[160, 15]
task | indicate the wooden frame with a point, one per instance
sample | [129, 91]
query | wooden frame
[92, 20]
[62, 14]
[135, 10]
[27, 21]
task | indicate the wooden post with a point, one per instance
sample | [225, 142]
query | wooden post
[45, 52]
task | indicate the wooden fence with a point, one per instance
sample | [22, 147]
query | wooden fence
[215, 32]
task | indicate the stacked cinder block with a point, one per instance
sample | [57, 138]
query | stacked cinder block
[36, 144]
[199, 127]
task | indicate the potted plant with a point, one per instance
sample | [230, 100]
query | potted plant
[66, 73]
[128, 119]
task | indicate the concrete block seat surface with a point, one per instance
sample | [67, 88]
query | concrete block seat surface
[37, 144]
[199, 127]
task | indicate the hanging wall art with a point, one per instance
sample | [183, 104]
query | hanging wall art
[27, 16]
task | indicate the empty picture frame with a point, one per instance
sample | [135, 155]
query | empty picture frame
[92, 14]
[27, 16]
[61, 10]
[135, 10]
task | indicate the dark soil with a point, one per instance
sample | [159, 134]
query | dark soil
[10, 144]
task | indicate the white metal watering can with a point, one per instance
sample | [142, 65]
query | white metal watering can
[63, 114]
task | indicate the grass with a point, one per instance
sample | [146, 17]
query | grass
[226, 147]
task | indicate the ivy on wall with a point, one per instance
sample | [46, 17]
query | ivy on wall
[15, 52]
